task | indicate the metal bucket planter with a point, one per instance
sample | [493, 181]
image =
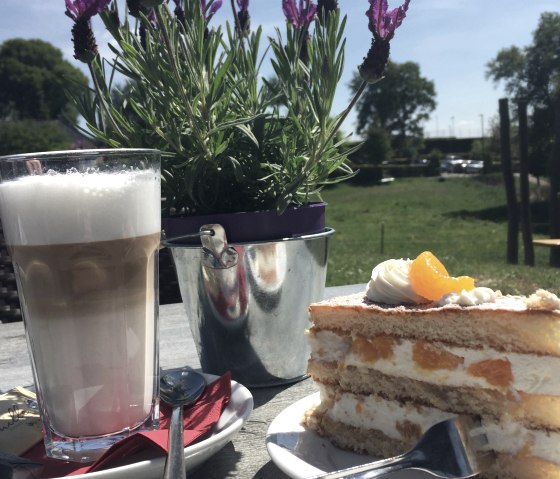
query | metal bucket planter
[247, 302]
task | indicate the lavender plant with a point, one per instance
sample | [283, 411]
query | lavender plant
[231, 139]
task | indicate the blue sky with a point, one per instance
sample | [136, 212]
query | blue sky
[451, 40]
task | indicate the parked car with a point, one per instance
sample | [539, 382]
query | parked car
[451, 164]
[475, 166]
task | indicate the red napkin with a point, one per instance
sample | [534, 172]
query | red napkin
[198, 419]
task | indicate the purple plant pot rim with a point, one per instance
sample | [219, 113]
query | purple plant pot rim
[252, 226]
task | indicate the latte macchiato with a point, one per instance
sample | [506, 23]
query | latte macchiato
[84, 246]
[88, 306]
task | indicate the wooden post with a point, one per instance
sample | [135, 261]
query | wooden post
[525, 208]
[507, 171]
[554, 172]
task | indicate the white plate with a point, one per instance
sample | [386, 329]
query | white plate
[300, 452]
[234, 416]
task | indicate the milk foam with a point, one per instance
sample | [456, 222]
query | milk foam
[80, 207]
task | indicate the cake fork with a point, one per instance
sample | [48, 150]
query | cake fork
[449, 449]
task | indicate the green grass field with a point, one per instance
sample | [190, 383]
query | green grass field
[461, 220]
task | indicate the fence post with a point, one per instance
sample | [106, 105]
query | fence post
[554, 174]
[507, 171]
[525, 208]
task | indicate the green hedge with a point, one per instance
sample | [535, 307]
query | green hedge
[29, 136]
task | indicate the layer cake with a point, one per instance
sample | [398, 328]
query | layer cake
[390, 362]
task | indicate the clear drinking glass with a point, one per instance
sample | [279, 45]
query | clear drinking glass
[83, 230]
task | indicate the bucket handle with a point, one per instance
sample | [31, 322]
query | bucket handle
[202, 232]
[217, 253]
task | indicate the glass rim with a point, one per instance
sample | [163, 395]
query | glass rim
[66, 154]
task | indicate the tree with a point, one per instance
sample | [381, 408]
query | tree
[543, 61]
[33, 80]
[376, 148]
[532, 74]
[27, 136]
[509, 67]
[399, 103]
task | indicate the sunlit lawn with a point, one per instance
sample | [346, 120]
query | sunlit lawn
[461, 220]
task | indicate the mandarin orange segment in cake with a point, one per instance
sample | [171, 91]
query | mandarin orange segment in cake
[393, 360]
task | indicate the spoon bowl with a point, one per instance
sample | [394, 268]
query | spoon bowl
[179, 388]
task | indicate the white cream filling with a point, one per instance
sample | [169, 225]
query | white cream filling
[531, 373]
[373, 412]
[328, 346]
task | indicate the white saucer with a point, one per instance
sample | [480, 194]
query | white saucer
[301, 453]
[232, 419]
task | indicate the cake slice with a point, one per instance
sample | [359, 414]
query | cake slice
[388, 371]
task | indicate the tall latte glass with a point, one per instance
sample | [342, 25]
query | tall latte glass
[83, 230]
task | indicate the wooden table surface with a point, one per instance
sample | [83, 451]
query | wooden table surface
[547, 242]
[246, 455]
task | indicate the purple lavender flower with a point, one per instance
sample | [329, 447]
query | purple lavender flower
[216, 5]
[324, 7]
[383, 23]
[299, 17]
[135, 8]
[243, 19]
[85, 9]
[81, 11]
[179, 12]
[143, 28]
[243, 5]
[152, 18]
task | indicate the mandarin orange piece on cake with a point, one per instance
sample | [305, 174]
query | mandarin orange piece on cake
[430, 279]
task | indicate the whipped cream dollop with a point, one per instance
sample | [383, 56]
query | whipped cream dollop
[470, 298]
[390, 283]
[543, 299]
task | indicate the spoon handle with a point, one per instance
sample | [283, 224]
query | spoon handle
[175, 464]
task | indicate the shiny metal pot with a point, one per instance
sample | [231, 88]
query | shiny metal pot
[247, 304]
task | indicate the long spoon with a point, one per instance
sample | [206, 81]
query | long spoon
[179, 388]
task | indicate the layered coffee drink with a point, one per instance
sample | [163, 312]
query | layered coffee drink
[84, 247]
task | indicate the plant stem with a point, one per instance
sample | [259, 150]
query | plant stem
[319, 152]
[344, 114]
[174, 66]
[102, 100]
[171, 51]
[237, 22]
